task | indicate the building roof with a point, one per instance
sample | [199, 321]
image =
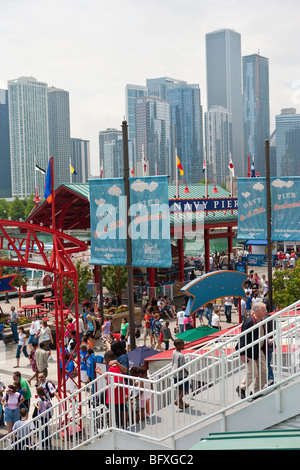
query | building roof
[72, 207]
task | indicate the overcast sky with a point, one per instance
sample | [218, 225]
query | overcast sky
[93, 48]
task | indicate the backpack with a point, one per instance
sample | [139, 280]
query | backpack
[47, 405]
[48, 390]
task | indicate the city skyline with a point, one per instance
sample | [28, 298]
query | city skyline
[96, 87]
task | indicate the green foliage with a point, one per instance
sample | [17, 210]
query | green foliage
[17, 209]
[20, 279]
[84, 276]
[115, 279]
[286, 286]
[4, 209]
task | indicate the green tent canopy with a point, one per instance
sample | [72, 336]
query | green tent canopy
[196, 333]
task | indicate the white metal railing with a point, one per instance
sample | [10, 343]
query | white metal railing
[147, 407]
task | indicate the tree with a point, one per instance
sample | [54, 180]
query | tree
[84, 276]
[115, 279]
[4, 209]
[17, 209]
[286, 286]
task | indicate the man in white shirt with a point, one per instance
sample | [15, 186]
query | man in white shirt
[180, 319]
[34, 331]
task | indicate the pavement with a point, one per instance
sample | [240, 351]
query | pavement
[8, 349]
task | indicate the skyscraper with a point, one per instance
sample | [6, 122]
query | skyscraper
[218, 141]
[59, 134]
[133, 92]
[29, 142]
[256, 109]
[159, 86]
[111, 153]
[153, 140]
[186, 131]
[224, 84]
[5, 174]
[288, 142]
[80, 160]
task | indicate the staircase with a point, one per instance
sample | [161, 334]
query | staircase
[83, 420]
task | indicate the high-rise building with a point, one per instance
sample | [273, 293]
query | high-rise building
[59, 134]
[288, 142]
[5, 174]
[224, 84]
[29, 142]
[80, 160]
[133, 92]
[111, 153]
[256, 109]
[153, 140]
[186, 131]
[218, 142]
[159, 86]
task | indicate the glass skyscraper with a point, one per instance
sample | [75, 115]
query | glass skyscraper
[5, 174]
[153, 140]
[111, 153]
[218, 142]
[186, 131]
[59, 134]
[224, 84]
[80, 160]
[288, 142]
[256, 110]
[29, 142]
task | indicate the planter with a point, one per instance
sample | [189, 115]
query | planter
[117, 319]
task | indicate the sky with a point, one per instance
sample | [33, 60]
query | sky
[93, 48]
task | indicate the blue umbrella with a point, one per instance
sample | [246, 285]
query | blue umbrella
[136, 356]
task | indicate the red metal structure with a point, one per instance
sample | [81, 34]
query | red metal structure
[64, 276]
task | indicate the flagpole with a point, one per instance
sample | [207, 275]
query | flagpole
[176, 174]
[70, 171]
[205, 174]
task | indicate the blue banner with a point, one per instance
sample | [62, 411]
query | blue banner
[285, 197]
[252, 217]
[108, 222]
[149, 222]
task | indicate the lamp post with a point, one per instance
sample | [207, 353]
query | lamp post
[215, 190]
[186, 189]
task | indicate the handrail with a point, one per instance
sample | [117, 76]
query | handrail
[148, 408]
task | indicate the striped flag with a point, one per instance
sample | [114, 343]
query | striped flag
[179, 166]
[132, 172]
[41, 170]
[204, 166]
[48, 184]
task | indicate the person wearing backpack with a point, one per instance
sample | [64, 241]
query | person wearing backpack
[44, 406]
[48, 386]
[11, 400]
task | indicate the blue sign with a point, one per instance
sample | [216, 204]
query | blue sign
[285, 196]
[252, 218]
[5, 284]
[197, 205]
[213, 286]
[148, 222]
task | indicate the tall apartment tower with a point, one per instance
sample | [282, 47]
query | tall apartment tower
[111, 153]
[224, 84]
[186, 131]
[29, 141]
[288, 142]
[59, 134]
[5, 174]
[218, 142]
[256, 109]
[153, 139]
[80, 160]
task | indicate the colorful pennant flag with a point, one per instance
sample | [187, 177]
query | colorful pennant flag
[73, 171]
[179, 166]
[132, 172]
[48, 184]
[204, 165]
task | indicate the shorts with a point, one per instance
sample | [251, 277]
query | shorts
[32, 339]
[184, 384]
[11, 416]
[148, 332]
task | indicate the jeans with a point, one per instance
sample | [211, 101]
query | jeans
[208, 314]
[14, 329]
[270, 370]
[227, 311]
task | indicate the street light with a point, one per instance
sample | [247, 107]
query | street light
[186, 189]
[215, 190]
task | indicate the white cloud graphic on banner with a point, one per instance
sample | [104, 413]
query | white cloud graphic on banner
[246, 194]
[115, 191]
[278, 183]
[141, 186]
[100, 202]
[258, 186]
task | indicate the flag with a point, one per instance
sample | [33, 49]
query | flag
[157, 173]
[253, 170]
[204, 165]
[38, 168]
[101, 175]
[230, 166]
[179, 166]
[132, 172]
[73, 171]
[48, 184]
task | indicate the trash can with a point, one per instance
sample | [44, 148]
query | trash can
[39, 298]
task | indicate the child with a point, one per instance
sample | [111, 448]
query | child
[167, 335]
[178, 360]
[145, 395]
[83, 366]
[89, 363]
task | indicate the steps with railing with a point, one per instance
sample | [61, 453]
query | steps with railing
[148, 408]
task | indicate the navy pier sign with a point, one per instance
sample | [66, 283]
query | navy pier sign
[206, 204]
